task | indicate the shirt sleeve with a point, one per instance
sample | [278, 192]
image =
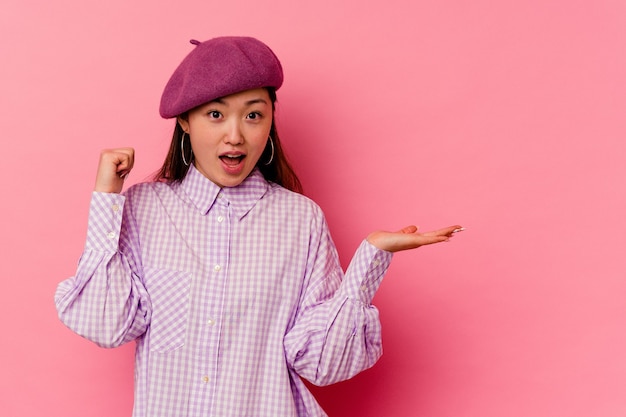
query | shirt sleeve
[106, 301]
[337, 332]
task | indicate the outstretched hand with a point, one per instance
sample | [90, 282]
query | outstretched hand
[409, 238]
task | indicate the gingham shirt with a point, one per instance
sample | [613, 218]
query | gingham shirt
[231, 295]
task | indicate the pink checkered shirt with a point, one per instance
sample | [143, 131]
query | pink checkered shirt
[231, 294]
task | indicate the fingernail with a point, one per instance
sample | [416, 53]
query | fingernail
[458, 230]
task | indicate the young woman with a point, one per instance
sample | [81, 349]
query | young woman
[221, 271]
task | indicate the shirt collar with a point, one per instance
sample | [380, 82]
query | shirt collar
[203, 192]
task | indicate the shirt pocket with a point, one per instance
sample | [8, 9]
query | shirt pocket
[169, 296]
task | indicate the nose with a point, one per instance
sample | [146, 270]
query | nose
[234, 134]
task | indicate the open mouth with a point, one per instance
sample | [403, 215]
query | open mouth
[232, 160]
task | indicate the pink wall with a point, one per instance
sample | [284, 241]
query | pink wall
[505, 116]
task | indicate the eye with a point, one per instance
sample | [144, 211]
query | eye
[214, 114]
[254, 115]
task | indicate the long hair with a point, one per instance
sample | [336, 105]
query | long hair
[278, 171]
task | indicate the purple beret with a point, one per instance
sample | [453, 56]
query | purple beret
[217, 68]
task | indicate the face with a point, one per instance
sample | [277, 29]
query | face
[228, 135]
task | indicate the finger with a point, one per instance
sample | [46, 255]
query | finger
[409, 229]
[125, 159]
[118, 156]
[120, 161]
[423, 240]
[446, 231]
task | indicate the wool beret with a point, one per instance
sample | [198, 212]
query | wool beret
[217, 68]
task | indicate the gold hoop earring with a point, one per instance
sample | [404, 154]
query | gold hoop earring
[272, 155]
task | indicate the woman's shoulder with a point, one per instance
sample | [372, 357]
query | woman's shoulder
[293, 200]
[148, 190]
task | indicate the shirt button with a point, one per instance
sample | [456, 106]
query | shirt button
[376, 262]
[115, 208]
[110, 235]
[211, 322]
[217, 268]
[205, 379]
[363, 287]
[220, 219]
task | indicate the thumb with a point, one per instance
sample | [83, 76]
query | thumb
[409, 229]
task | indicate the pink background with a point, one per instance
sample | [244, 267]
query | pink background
[505, 116]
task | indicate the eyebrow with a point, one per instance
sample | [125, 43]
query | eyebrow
[247, 103]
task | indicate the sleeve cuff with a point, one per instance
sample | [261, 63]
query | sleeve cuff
[105, 221]
[366, 272]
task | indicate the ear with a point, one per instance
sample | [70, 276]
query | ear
[184, 123]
